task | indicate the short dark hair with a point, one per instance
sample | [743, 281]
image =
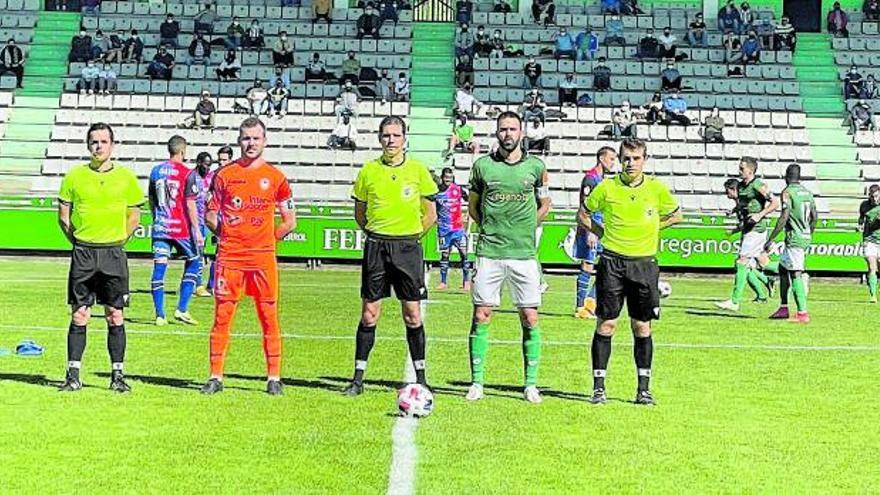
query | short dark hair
[793, 172]
[633, 144]
[874, 188]
[177, 144]
[201, 156]
[731, 183]
[508, 115]
[100, 126]
[392, 120]
[225, 150]
[250, 123]
[446, 170]
[604, 150]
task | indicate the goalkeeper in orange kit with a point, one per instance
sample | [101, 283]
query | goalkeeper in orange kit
[245, 195]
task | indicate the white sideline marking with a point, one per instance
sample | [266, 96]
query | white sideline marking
[404, 455]
[450, 340]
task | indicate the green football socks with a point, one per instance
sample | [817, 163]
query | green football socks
[531, 348]
[758, 281]
[872, 284]
[479, 347]
[800, 293]
[739, 282]
[772, 267]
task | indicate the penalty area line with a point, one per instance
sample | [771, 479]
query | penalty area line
[453, 340]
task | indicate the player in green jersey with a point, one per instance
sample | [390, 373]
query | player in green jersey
[798, 218]
[869, 224]
[755, 201]
[508, 199]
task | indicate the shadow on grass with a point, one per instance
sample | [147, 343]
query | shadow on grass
[515, 392]
[389, 385]
[716, 313]
[40, 380]
[162, 381]
[168, 292]
[291, 382]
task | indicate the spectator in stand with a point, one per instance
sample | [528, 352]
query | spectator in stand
[322, 10]
[279, 74]
[648, 47]
[502, 7]
[612, 6]
[869, 89]
[462, 137]
[614, 31]
[748, 17]
[258, 99]
[601, 76]
[282, 51]
[565, 46]
[675, 107]
[587, 43]
[115, 44]
[234, 35]
[133, 49]
[465, 103]
[100, 45]
[316, 70]
[861, 118]
[670, 78]
[464, 71]
[383, 85]
[253, 37]
[751, 49]
[631, 7]
[277, 99]
[713, 127]
[837, 21]
[348, 100]
[199, 50]
[91, 7]
[654, 109]
[204, 113]
[534, 106]
[401, 87]
[852, 83]
[667, 44]
[12, 60]
[204, 20]
[732, 48]
[532, 74]
[81, 47]
[351, 70]
[162, 65]
[168, 31]
[544, 11]
[389, 11]
[464, 11]
[482, 43]
[497, 45]
[344, 135]
[368, 23]
[697, 35]
[568, 90]
[623, 122]
[229, 68]
[765, 31]
[871, 9]
[88, 78]
[784, 37]
[464, 41]
[107, 80]
[535, 138]
[729, 19]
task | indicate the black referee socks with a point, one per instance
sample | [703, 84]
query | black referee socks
[601, 353]
[116, 343]
[366, 337]
[76, 342]
[643, 352]
[415, 337]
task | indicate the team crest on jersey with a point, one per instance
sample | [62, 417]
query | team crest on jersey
[237, 202]
[264, 183]
[407, 191]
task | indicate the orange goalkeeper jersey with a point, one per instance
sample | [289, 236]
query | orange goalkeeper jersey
[246, 197]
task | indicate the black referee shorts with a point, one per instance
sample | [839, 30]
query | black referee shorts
[394, 263]
[98, 275]
[633, 279]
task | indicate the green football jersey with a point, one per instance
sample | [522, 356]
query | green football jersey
[869, 217]
[508, 206]
[749, 201]
[801, 205]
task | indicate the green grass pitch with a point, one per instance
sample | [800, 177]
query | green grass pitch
[746, 405]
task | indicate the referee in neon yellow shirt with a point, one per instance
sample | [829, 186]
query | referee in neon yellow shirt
[635, 208]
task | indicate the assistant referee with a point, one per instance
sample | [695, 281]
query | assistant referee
[98, 210]
[394, 205]
[635, 208]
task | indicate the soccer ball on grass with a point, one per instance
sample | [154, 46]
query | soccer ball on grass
[415, 401]
[665, 289]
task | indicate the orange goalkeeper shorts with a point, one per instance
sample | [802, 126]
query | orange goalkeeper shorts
[260, 283]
